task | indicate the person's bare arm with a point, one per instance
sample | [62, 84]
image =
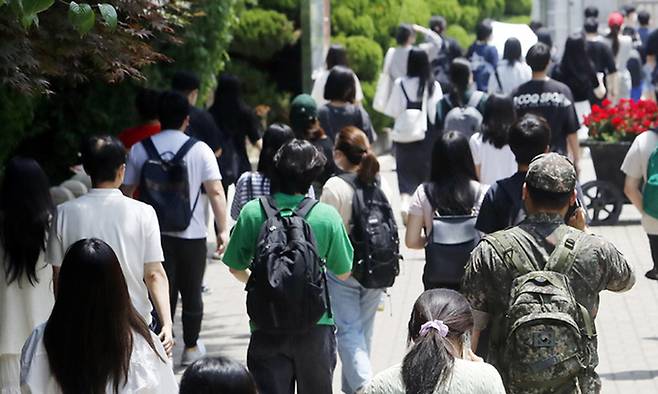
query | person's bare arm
[344, 276]
[414, 237]
[128, 190]
[241, 275]
[156, 281]
[480, 322]
[574, 148]
[217, 198]
[478, 171]
[632, 191]
[611, 83]
[55, 280]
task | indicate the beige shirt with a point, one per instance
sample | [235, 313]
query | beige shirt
[467, 377]
[635, 166]
[339, 194]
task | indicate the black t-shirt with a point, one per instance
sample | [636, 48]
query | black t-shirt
[581, 86]
[203, 127]
[502, 204]
[600, 54]
[553, 101]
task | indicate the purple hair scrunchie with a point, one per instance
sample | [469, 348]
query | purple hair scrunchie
[437, 325]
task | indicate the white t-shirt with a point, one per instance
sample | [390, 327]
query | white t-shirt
[339, 194]
[495, 164]
[318, 88]
[397, 102]
[130, 227]
[147, 373]
[635, 165]
[511, 77]
[201, 167]
[467, 377]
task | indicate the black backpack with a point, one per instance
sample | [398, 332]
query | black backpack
[287, 290]
[165, 186]
[374, 236]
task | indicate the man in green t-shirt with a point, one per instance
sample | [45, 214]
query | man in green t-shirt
[278, 361]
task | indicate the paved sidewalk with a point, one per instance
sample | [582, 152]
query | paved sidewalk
[628, 341]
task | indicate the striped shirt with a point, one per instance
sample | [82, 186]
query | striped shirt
[252, 185]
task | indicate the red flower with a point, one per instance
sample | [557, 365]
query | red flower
[616, 121]
[605, 103]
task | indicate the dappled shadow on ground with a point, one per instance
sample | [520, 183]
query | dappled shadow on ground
[630, 375]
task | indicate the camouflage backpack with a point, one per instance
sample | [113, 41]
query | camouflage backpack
[545, 334]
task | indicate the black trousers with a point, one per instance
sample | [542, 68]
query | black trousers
[185, 264]
[278, 361]
[653, 244]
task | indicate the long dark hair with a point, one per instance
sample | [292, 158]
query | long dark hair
[429, 362]
[460, 79]
[353, 143]
[340, 85]
[277, 135]
[229, 110]
[89, 335]
[418, 65]
[25, 211]
[449, 189]
[575, 68]
[217, 375]
[512, 52]
[614, 37]
[499, 116]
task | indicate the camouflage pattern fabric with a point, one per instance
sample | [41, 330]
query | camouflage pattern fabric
[598, 266]
[551, 172]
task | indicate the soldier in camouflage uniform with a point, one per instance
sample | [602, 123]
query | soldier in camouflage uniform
[548, 193]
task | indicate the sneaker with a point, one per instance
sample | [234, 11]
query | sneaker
[190, 355]
[652, 274]
[216, 256]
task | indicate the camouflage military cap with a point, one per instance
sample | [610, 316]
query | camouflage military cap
[551, 172]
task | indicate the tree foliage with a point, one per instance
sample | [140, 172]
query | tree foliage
[262, 33]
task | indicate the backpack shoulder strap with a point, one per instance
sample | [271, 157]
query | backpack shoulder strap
[269, 206]
[500, 84]
[349, 178]
[151, 150]
[475, 99]
[510, 249]
[404, 91]
[184, 149]
[564, 255]
[305, 206]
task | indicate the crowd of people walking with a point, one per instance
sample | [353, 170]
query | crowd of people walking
[487, 161]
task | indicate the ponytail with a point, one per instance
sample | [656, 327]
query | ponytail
[614, 37]
[427, 364]
[353, 143]
[368, 168]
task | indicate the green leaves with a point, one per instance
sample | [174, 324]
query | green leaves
[109, 14]
[33, 7]
[82, 17]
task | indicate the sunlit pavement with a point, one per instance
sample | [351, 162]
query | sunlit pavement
[627, 323]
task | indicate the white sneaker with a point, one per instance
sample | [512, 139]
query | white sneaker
[191, 355]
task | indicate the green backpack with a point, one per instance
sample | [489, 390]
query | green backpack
[650, 191]
[545, 334]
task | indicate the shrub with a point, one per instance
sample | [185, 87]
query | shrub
[365, 56]
[470, 17]
[518, 7]
[341, 20]
[262, 33]
[462, 36]
[449, 9]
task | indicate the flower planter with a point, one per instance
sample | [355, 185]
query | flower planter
[604, 198]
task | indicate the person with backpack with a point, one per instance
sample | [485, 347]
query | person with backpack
[340, 110]
[130, 227]
[502, 206]
[443, 212]
[482, 55]
[492, 155]
[359, 196]
[439, 359]
[254, 184]
[641, 168]
[538, 286]
[447, 52]
[552, 100]
[511, 71]
[282, 247]
[171, 169]
[461, 108]
[413, 106]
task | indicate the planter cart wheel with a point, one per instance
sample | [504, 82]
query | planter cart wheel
[603, 202]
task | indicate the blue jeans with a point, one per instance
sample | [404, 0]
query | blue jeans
[354, 308]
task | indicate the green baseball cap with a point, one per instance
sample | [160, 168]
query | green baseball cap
[303, 111]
